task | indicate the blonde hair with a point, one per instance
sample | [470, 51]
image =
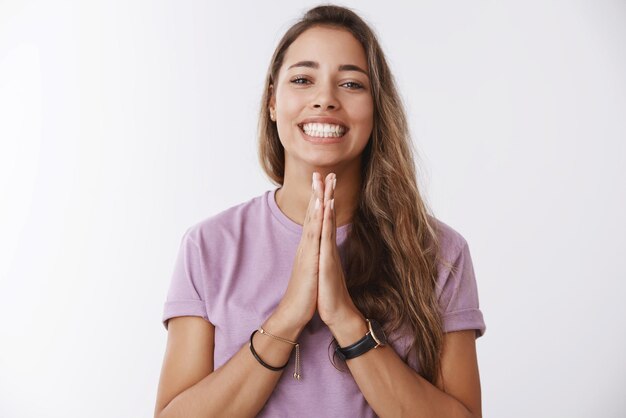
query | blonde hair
[392, 247]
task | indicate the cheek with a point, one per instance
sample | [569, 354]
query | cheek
[364, 109]
[288, 104]
[364, 115]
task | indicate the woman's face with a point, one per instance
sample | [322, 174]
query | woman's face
[322, 98]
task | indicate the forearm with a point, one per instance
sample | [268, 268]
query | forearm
[241, 386]
[391, 387]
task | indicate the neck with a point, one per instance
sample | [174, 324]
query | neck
[293, 197]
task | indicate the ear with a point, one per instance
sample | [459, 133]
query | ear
[272, 104]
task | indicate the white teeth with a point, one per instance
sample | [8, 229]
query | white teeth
[323, 129]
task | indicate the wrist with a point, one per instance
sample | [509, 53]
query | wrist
[349, 328]
[280, 324]
[347, 315]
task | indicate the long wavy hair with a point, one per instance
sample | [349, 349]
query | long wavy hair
[392, 247]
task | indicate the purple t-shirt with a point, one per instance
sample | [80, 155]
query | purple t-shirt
[233, 269]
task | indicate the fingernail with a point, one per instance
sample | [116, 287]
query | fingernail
[334, 183]
[317, 203]
[332, 203]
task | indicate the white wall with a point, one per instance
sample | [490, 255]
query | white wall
[123, 122]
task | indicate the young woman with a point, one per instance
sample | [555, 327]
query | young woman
[340, 275]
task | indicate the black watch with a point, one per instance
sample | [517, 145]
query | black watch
[375, 337]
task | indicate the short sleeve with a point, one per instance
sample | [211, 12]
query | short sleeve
[459, 295]
[185, 295]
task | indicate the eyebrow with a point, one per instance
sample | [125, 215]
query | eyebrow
[343, 67]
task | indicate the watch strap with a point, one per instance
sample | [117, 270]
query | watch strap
[362, 346]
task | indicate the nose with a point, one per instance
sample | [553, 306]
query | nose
[325, 99]
[322, 106]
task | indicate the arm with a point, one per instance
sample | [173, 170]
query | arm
[393, 389]
[189, 387]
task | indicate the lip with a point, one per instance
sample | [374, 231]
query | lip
[321, 140]
[323, 119]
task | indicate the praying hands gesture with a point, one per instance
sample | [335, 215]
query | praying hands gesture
[317, 280]
[333, 300]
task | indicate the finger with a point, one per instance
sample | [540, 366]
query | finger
[331, 196]
[313, 224]
[333, 211]
[327, 227]
[316, 192]
[328, 189]
[320, 190]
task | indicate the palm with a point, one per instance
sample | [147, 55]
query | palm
[333, 298]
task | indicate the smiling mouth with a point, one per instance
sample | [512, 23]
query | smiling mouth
[328, 139]
[321, 131]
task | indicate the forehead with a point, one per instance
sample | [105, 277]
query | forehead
[326, 45]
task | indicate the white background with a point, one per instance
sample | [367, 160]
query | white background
[123, 123]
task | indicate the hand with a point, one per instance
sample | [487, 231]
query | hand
[334, 303]
[300, 299]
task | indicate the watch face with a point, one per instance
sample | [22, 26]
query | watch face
[378, 332]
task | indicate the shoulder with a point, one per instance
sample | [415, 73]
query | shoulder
[227, 223]
[454, 261]
[451, 241]
[457, 288]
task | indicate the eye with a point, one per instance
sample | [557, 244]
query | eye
[352, 84]
[295, 80]
[357, 86]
